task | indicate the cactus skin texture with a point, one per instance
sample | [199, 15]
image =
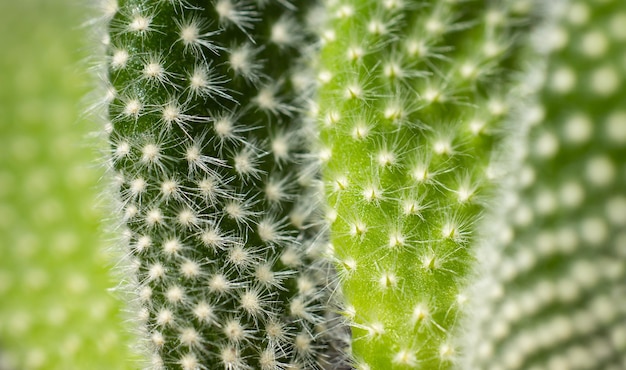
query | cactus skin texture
[555, 298]
[219, 192]
[411, 102]
[55, 311]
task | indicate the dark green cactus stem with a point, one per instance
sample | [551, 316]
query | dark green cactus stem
[218, 188]
[411, 105]
[554, 296]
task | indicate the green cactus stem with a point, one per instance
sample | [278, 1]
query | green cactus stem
[411, 103]
[554, 295]
[55, 310]
[219, 191]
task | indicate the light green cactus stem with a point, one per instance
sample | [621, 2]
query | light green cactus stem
[55, 310]
[555, 298]
[219, 191]
[411, 102]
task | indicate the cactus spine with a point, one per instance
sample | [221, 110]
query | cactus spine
[218, 189]
[411, 99]
[554, 296]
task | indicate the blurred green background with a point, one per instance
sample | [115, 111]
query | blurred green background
[55, 310]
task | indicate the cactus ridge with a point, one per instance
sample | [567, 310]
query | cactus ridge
[411, 101]
[217, 187]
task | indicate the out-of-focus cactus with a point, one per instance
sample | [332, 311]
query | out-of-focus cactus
[219, 192]
[55, 310]
[411, 104]
[552, 293]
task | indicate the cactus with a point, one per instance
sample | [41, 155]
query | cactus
[552, 288]
[411, 103]
[217, 186]
[455, 214]
[55, 311]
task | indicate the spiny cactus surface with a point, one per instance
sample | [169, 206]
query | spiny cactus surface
[411, 102]
[555, 296]
[55, 311]
[218, 190]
